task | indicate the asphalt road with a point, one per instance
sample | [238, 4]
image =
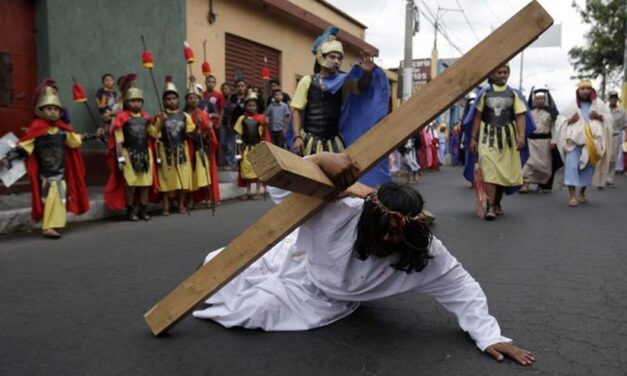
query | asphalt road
[555, 279]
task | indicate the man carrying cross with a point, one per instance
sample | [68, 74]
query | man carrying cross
[316, 186]
[370, 245]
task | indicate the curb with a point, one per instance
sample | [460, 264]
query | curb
[15, 220]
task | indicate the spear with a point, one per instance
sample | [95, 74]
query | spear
[206, 68]
[78, 93]
[148, 63]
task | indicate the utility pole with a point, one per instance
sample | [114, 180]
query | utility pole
[434, 52]
[408, 62]
[436, 26]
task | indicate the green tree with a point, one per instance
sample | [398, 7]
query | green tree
[602, 55]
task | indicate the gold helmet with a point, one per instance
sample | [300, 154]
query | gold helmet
[169, 87]
[49, 96]
[133, 93]
[252, 96]
[194, 88]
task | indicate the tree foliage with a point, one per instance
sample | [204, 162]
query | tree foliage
[602, 55]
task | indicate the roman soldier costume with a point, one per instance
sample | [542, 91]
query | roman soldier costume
[54, 165]
[174, 172]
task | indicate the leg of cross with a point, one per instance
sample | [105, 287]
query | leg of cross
[461, 77]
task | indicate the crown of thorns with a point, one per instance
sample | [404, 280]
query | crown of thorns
[402, 219]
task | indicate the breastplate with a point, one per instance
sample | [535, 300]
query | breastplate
[498, 109]
[175, 129]
[250, 131]
[50, 154]
[173, 137]
[322, 114]
[135, 136]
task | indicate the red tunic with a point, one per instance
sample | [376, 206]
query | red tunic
[211, 144]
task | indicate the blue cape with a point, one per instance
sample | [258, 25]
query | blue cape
[530, 126]
[360, 112]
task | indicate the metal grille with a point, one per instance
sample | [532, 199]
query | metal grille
[245, 57]
[6, 88]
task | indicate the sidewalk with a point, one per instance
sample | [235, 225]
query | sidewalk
[15, 208]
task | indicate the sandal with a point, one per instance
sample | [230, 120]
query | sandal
[489, 212]
[51, 234]
[573, 203]
[130, 214]
[498, 211]
[143, 214]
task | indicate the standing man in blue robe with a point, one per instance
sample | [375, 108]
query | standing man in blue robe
[332, 109]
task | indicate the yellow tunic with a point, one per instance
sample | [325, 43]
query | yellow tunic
[168, 177]
[131, 177]
[247, 172]
[500, 166]
[200, 171]
[200, 174]
[55, 214]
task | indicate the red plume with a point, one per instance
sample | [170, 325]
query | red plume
[124, 81]
[168, 78]
[42, 85]
[189, 54]
[78, 92]
[206, 69]
[147, 60]
[265, 73]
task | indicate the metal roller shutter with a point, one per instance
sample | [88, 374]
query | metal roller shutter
[246, 56]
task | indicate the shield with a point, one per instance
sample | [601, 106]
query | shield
[18, 168]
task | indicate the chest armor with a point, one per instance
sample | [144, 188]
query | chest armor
[174, 130]
[50, 154]
[136, 143]
[173, 137]
[322, 114]
[498, 109]
[135, 135]
[250, 131]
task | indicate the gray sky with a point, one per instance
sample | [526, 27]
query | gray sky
[543, 67]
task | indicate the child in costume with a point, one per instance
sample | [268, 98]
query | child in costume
[132, 147]
[201, 144]
[251, 129]
[53, 162]
[171, 128]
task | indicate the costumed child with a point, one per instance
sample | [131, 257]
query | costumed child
[251, 129]
[54, 164]
[130, 158]
[171, 128]
[201, 144]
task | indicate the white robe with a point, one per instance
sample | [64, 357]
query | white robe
[313, 278]
[573, 134]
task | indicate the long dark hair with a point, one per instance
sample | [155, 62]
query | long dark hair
[413, 249]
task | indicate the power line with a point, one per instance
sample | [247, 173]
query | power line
[467, 21]
[444, 34]
[491, 11]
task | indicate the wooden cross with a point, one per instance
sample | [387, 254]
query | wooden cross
[461, 77]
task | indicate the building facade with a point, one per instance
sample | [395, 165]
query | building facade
[83, 39]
